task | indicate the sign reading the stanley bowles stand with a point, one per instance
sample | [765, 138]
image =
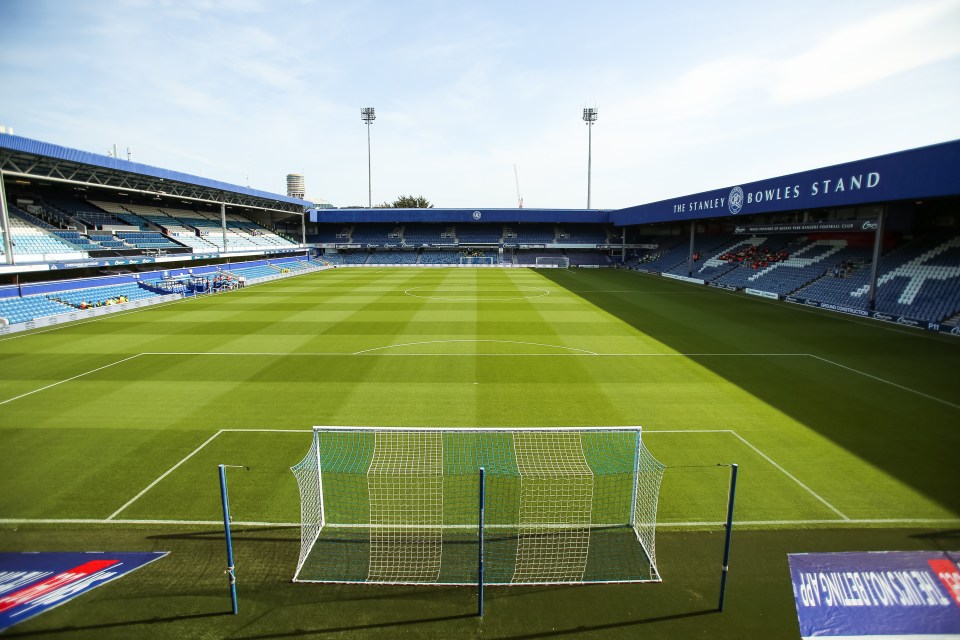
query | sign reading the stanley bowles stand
[885, 593]
[926, 172]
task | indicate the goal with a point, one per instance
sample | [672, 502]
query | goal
[552, 262]
[478, 261]
[399, 506]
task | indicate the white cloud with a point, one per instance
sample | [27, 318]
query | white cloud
[877, 48]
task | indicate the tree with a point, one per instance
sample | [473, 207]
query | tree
[412, 202]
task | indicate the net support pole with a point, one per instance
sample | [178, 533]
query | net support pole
[480, 552]
[231, 574]
[726, 544]
[636, 481]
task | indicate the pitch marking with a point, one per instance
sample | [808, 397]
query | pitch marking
[574, 351]
[168, 472]
[768, 459]
[894, 384]
[667, 525]
[533, 344]
[520, 289]
[79, 375]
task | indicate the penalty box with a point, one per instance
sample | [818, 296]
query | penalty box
[693, 489]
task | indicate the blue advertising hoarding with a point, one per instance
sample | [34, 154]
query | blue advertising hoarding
[880, 593]
[31, 583]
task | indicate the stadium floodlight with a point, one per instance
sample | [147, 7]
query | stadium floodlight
[398, 505]
[368, 115]
[589, 116]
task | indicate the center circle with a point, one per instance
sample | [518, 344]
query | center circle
[474, 295]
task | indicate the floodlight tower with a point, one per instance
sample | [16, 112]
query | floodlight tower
[589, 116]
[368, 115]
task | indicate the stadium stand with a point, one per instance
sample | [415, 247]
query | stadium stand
[806, 262]
[96, 296]
[920, 280]
[584, 258]
[582, 234]
[674, 252]
[377, 234]
[530, 234]
[432, 234]
[478, 233]
[329, 234]
[258, 271]
[32, 242]
[17, 309]
[439, 257]
[393, 257]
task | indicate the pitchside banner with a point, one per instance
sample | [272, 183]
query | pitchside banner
[886, 593]
[846, 226]
[31, 583]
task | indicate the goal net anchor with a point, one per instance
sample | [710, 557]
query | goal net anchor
[393, 505]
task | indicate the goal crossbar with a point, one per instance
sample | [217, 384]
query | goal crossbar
[397, 505]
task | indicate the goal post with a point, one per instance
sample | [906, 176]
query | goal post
[399, 506]
[478, 261]
[552, 262]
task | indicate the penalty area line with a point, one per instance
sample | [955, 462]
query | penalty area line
[79, 375]
[765, 457]
[112, 516]
[165, 474]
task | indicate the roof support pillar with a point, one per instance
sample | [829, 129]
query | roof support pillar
[877, 249]
[223, 224]
[5, 224]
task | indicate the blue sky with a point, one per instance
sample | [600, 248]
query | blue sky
[691, 95]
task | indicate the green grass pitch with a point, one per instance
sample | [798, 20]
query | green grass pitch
[845, 431]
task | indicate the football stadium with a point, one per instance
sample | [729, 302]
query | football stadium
[698, 417]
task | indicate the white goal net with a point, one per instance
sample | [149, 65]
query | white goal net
[400, 506]
[478, 261]
[552, 262]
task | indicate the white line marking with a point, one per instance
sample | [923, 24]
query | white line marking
[80, 375]
[219, 523]
[689, 431]
[534, 344]
[791, 476]
[266, 430]
[579, 352]
[823, 313]
[763, 455]
[893, 384]
[168, 472]
[476, 298]
[574, 351]
[720, 523]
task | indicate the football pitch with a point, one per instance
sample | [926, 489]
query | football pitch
[844, 430]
